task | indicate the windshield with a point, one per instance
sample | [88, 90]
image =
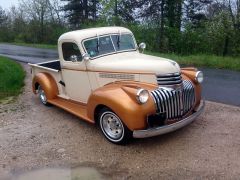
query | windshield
[109, 44]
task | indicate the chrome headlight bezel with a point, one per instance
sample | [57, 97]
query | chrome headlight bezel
[142, 96]
[199, 77]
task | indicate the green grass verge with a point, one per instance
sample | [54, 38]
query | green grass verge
[11, 78]
[44, 46]
[210, 61]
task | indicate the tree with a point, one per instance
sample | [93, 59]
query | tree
[80, 12]
[3, 17]
[194, 11]
[38, 12]
[4, 26]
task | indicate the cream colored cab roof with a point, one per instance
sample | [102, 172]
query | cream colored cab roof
[80, 35]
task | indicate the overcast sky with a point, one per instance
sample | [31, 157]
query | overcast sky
[5, 4]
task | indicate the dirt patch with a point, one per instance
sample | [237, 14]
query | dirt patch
[35, 138]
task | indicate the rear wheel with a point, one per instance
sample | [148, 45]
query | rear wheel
[42, 96]
[113, 128]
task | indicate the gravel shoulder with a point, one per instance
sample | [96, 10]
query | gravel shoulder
[33, 137]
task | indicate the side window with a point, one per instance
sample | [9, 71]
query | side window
[71, 52]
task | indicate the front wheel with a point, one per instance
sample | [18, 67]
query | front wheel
[113, 128]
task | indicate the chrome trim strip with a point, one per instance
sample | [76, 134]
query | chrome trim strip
[167, 75]
[160, 82]
[42, 67]
[169, 128]
[169, 79]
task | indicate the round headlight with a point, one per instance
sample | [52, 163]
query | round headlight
[142, 96]
[199, 77]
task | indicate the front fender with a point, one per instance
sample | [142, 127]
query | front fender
[122, 100]
[190, 73]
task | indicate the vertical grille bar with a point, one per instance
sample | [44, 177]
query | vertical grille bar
[170, 101]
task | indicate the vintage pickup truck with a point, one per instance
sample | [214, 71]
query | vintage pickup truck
[103, 77]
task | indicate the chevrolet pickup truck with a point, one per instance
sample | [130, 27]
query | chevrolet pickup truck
[102, 76]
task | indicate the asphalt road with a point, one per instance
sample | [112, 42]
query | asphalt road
[219, 85]
[27, 54]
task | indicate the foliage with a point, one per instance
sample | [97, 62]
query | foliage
[11, 78]
[182, 27]
[80, 12]
[201, 60]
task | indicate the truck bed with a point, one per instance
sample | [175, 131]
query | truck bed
[51, 65]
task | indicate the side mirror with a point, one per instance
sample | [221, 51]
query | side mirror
[86, 57]
[142, 46]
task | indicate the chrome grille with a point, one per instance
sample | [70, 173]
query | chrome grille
[169, 79]
[175, 103]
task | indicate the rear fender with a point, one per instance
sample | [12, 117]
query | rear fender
[47, 82]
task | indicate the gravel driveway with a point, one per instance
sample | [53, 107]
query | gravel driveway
[38, 139]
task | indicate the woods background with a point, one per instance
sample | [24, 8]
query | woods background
[168, 26]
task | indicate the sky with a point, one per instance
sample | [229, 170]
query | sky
[6, 4]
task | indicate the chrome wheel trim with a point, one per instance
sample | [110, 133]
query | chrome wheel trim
[42, 95]
[112, 126]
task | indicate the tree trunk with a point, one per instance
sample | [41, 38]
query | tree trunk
[179, 15]
[225, 50]
[42, 24]
[161, 35]
[85, 9]
[116, 13]
[94, 10]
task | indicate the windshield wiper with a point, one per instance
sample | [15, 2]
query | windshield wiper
[118, 41]
[98, 47]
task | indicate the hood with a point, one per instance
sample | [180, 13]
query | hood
[133, 62]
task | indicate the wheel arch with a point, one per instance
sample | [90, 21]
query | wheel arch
[97, 110]
[47, 82]
[122, 101]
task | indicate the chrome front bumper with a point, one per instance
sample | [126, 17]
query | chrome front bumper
[169, 128]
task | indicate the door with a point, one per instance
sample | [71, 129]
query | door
[75, 76]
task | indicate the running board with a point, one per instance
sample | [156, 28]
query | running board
[77, 109]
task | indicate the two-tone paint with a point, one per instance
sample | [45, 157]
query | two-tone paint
[110, 81]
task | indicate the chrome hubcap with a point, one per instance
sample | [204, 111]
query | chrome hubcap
[42, 95]
[112, 125]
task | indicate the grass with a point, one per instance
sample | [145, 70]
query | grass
[11, 78]
[210, 61]
[44, 46]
